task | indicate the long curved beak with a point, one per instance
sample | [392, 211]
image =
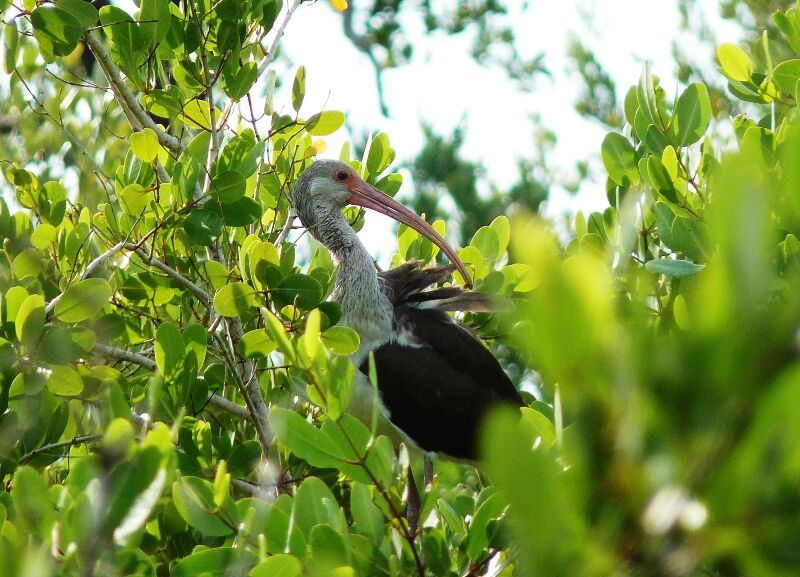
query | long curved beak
[367, 196]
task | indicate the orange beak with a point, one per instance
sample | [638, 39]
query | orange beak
[367, 196]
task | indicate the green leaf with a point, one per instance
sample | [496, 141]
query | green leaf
[674, 268]
[154, 20]
[619, 158]
[195, 338]
[367, 517]
[128, 47]
[146, 493]
[197, 114]
[34, 512]
[310, 338]
[314, 504]
[304, 439]
[203, 226]
[145, 146]
[84, 12]
[257, 343]
[692, 115]
[280, 565]
[244, 457]
[64, 380]
[478, 540]
[486, 241]
[502, 228]
[229, 186]
[235, 299]
[659, 177]
[56, 30]
[27, 263]
[83, 300]
[324, 123]
[299, 290]
[786, 75]
[390, 184]
[551, 538]
[194, 499]
[341, 340]
[278, 333]
[654, 140]
[380, 155]
[327, 546]
[43, 235]
[29, 321]
[299, 88]
[169, 349]
[242, 212]
[646, 95]
[238, 80]
[735, 62]
[11, 45]
[215, 561]
[133, 199]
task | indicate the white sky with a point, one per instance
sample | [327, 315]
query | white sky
[442, 85]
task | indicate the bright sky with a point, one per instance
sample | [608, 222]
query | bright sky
[443, 85]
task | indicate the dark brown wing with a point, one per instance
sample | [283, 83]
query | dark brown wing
[410, 283]
[439, 389]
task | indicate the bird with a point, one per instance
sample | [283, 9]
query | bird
[436, 380]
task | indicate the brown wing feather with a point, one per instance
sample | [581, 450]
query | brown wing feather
[407, 284]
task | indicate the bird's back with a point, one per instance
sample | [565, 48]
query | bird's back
[437, 380]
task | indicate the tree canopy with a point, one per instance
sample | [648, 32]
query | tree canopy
[174, 381]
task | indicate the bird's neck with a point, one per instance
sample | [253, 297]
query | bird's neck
[365, 307]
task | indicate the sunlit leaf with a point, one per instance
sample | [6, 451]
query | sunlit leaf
[83, 300]
[735, 62]
[235, 299]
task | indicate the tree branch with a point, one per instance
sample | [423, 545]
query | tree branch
[89, 270]
[270, 56]
[148, 363]
[171, 272]
[130, 105]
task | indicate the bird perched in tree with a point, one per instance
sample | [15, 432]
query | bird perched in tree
[436, 380]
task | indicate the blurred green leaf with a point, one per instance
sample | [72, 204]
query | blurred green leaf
[299, 88]
[194, 499]
[735, 62]
[280, 565]
[674, 268]
[216, 561]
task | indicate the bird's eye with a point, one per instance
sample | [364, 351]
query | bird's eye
[341, 176]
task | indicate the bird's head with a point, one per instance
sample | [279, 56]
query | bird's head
[327, 186]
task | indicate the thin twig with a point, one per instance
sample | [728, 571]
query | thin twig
[170, 272]
[89, 270]
[278, 35]
[148, 363]
[53, 446]
[287, 227]
[123, 355]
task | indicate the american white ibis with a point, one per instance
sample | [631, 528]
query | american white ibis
[436, 380]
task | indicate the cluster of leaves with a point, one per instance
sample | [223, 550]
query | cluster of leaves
[173, 382]
[669, 325]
